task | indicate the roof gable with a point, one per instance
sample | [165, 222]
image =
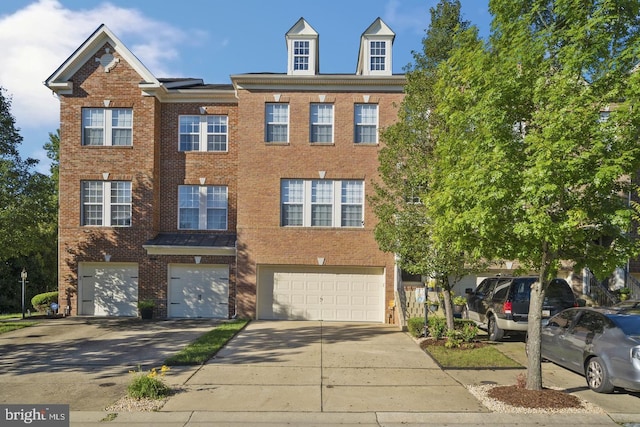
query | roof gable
[60, 81]
[302, 32]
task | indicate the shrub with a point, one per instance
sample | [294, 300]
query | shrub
[437, 326]
[148, 385]
[41, 301]
[415, 326]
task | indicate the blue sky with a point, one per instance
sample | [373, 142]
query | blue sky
[208, 39]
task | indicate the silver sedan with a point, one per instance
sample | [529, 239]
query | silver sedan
[603, 344]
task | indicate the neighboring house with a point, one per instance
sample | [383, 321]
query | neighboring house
[219, 200]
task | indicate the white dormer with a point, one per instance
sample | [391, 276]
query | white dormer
[375, 56]
[302, 48]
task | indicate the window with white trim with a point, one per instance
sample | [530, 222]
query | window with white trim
[321, 123]
[366, 123]
[212, 129]
[377, 55]
[277, 122]
[301, 54]
[202, 207]
[322, 203]
[106, 203]
[107, 126]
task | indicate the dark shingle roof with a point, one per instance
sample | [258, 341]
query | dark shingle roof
[194, 240]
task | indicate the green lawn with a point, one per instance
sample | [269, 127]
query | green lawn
[203, 348]
[12, 326]
[486, 357]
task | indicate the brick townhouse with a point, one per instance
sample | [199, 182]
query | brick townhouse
[246, 198]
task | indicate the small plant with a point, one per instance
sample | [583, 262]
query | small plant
[459, 300]
[623, 293]
[148, 385]
[146, 304]
[437, 326]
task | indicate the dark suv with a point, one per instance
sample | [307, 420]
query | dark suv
[501, 304]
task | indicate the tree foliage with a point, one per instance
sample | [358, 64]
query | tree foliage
[28, 217]
[404, 228]
[538, 140]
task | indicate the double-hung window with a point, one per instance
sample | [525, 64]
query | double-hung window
[203, 133]
[321, 122]
[107, 126]
[301, 54]
[366, 123]
[322, 203]
[377, 55]
[202, 207]
[106, 203]
[277, 122]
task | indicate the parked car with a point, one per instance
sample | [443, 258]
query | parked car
[603, 344]
[501, 304]
[628, 304]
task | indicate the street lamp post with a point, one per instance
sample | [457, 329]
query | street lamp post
[23, 276]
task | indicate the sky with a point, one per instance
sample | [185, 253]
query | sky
[207, 39]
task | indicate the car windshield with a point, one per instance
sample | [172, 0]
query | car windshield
[629, 323]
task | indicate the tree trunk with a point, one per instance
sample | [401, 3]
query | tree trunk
[446, 302]
[534, 360]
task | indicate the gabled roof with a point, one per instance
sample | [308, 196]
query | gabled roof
[60, 80]
[302, 30]
[378, 29]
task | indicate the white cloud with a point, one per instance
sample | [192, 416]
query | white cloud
[402, 19]
[37, 39]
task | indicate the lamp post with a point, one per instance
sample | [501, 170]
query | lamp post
[23, 276]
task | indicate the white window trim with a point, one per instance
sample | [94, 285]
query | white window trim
[356, 125]
[202, 134]
[312, 124]
[267, 123]
[106, 204]
[387, 57]
[336, 220]
[202, 208]
[107, 127]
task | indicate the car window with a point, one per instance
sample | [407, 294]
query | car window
[563, 319]
[483, 287]
[521, 290]
[502, 288]
[559, 290]
[591, 322]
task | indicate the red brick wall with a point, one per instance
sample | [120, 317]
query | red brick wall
[262, 166]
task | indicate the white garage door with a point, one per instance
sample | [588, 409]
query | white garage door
[108, 289]
[330, 296]
[199, 291]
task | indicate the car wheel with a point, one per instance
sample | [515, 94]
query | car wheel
[495, 333]
[597, 376]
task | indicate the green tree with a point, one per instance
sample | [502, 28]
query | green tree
[538, 139]
[404, 228]
[28, 218]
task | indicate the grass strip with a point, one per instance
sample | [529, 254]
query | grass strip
[12, 326]
[208, 344]
[486, 357]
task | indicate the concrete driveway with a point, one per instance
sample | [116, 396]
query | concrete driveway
[85, 362]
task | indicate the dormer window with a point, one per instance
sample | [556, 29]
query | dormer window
[301, 55]
[302, 48]
[377, 55]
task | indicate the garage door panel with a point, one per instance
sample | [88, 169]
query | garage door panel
[325, 296]
[199, 291]
[109, 289]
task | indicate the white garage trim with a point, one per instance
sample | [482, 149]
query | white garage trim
[108, 289]
[198, 290]
[321, 293]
